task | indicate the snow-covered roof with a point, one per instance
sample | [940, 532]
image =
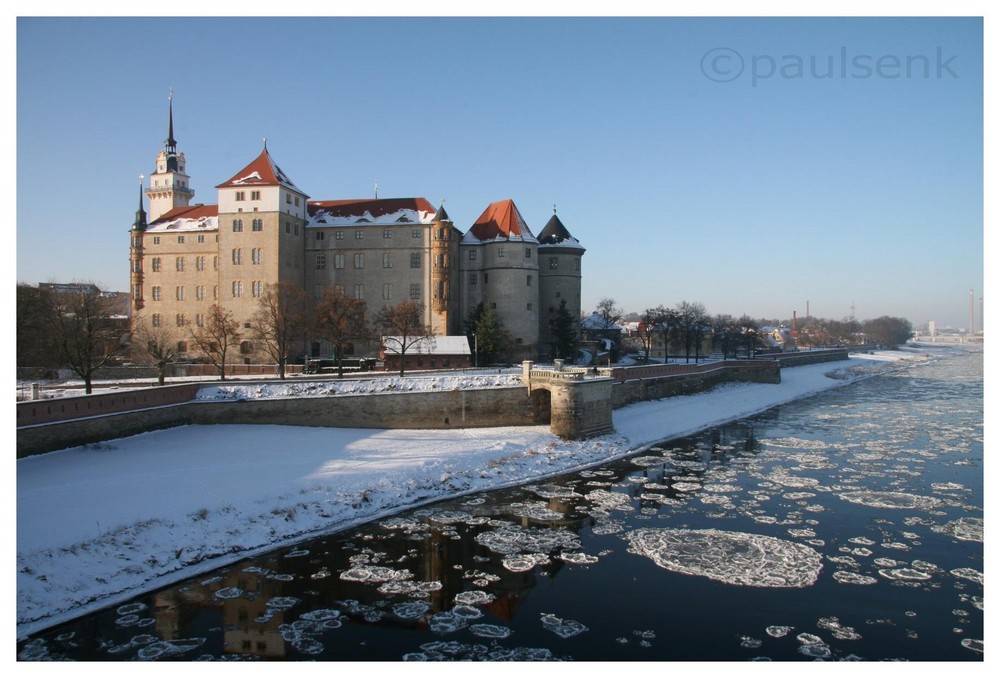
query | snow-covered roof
[379, 212]
[262, 171]
[500, 221]
[451, 345]
[595, 321]
[555, 234]
[199, 218]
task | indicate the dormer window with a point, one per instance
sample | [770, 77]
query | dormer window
[403, 220]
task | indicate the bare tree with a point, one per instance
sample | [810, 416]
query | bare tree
[402, 326]
[215, 338]
[280, 321]
[340, 320]
[649, 325]
[87, 332]
[609, 312]
[749, 334]
[692, 326]
[153, 346]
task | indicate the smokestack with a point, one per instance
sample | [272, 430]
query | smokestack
[793, 321]
[971, 296]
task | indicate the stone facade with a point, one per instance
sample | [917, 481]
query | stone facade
[265, 230]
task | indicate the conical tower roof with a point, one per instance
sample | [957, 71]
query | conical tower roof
[501, 221]
[556, 234]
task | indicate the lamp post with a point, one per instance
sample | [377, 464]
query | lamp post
[475, 341]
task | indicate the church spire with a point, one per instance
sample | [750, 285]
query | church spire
[140, 214]
[169, 185]
[170, 143]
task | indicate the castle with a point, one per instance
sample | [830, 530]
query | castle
[264, 229]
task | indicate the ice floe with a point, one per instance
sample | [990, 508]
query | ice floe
[732, 557]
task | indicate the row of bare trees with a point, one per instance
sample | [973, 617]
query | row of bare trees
[285, 319]
[85, 331]
[687, 326]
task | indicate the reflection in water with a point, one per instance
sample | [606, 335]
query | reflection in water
[835, 528]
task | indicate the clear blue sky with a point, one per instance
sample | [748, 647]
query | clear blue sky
[693, 157]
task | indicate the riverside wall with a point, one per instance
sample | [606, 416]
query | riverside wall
[54, 424]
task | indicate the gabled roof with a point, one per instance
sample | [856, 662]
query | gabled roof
[261, 172]
[501, 221]
[555, 233]
[374, 211]
[191, 218]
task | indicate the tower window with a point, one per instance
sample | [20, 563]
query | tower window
[237, 225]
[257, 225]
[527, 252]
[414, 259]
[240, 196]
[255, 195]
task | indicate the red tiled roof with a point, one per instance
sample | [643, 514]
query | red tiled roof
[501, 220]
[261, 172]
[190, 212]
[375, 207]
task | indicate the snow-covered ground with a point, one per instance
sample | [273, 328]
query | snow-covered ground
[99, 524]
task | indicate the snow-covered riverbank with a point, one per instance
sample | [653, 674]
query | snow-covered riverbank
[99, 524]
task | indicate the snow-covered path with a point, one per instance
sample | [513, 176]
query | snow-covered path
[100, 524]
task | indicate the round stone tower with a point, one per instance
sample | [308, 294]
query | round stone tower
[560, 257]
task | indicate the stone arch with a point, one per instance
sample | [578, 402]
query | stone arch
[541, 406]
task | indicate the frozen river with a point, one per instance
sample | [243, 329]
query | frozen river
[847, 526]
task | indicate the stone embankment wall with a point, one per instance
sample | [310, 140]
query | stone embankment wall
[47, 425]
[637, 387]
[440, 410]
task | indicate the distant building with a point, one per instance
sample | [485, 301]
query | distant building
[264, 229]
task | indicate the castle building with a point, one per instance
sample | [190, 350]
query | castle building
[264, 230]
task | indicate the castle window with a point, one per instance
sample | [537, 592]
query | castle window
[415, 291]
[199, 320]
[156, 292]
[182, 347]
[257, 255]
[180, 263]
[180, 293]
[156, 240]
[181, 320]
[257, 288]
[237, 225]
[387, 291]
[180, 240]
[486, 278]
[386, 234]
[339, 235]
[387, 260]
[531, 306]
[500, 253]
[199, 263]
[156, 264]
[359, 235]
[288, 227]
[296, 201]
[576, 264]
[199, 292]
[473, 279]
[359, 291]
[415, 233]
[414, 259]
[237, 256]
[257, 225]
[237, 288]
[527, 252]
[553, 263]
[529, 281]
[320, 262]
[157, 320]
[246, 347]
[472, 255]
[359, 260]
[295, 229]
[240, 196]
[201, 238]
[288, 198]
[215, 263]
[215, 292]
[338, 260]
[403, 220]
[320, 235]
[255, 195]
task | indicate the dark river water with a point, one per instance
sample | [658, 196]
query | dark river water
[847, 526]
